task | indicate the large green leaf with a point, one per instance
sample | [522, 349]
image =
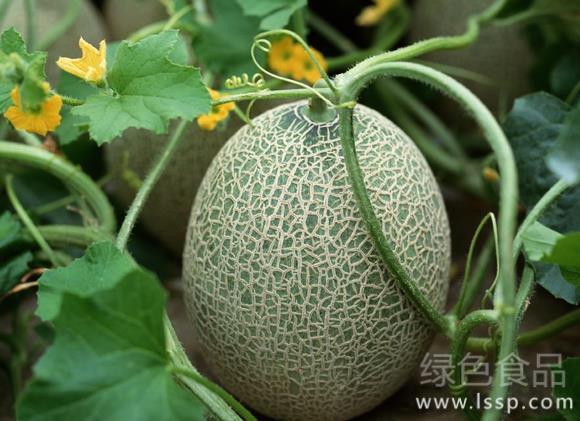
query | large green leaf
[100, 268]
[571, 389]
[149, 90]
[533, 127]
[224, 44]
[108, 360]
[274, 14]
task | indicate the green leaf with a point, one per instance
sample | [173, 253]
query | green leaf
[109, 360]
[10, 230]
[149, 90]
[13, 270]
[564, 159]
[539, 240]
[100, 268]
[224, 44]
[275, 14]
[571, 389]
[533, 127]
[566, 254]
[543, 244]
[566, 251]
[72, 125]
[11, 42]
[28, 72]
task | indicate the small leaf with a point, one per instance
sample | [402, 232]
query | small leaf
[108, 360]
[100, 268]
[149, 90]
[13, 270]
[564, 159]
[275, 14]
[570, 390]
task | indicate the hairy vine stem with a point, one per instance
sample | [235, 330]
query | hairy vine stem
[464, 329]
[438, 43]
[71, 235]
[179, 358]
[229, 399]
[148, 185]
[268, 94]
[375, 229]
[350, 84]
[27, 221]
[539, 208]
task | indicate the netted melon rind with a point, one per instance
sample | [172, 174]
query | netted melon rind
[294, 310]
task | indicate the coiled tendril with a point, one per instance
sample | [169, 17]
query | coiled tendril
[265, 46]
[257, 81]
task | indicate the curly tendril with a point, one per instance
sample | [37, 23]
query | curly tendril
[257, 81]
[265, 46]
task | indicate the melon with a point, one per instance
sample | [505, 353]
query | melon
[295, 312]
[124, 17]
[502, 54]
[89, 25]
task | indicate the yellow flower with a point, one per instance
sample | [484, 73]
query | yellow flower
[291, 59]
[371, 15]
[305, 68]
[282, 56]
[46, 119]
[218, 113]
[92, 66]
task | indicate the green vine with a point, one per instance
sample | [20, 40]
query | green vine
[350, 85]
[72, 177]
[148, 185]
